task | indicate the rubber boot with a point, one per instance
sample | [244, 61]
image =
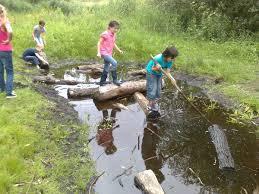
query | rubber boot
[103, 78]
[114, 77]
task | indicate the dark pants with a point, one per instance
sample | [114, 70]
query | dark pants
[32, 59]
[6, 63]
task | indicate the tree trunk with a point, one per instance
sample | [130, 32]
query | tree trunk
[142, 101]
[148, 183]
[90, 67]
[128, 88]
[137, 72]
[52, 80]
[220, 142]
[81, 92]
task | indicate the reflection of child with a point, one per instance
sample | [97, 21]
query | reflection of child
[37, 33]
[104, 135]
[154, 77]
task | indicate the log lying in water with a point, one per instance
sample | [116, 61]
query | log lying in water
[148, 183]
[220, 142]
[142, 101]
[90, 67]
[52, 80]
[111, 91]
[81, 92]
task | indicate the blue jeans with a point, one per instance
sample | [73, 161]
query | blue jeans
[107, 61]
[154, 85]
[6, 62]
[32, 59]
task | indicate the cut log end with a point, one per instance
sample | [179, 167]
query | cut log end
[148, 183]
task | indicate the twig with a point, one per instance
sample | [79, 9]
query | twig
[157, 134]
[150, 158]
[99, 156]
[243, 189]
[93, 183]
[120, 182]
[30, 183]
[133, 149]
[124, 172]
[138, 142]
[192, 171]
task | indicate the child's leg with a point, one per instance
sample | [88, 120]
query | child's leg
[151, 90]
[158, 91]
[2, 81]
[9, 72]
[105, 70]
[114, 64]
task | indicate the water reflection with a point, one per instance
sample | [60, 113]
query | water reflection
[149, 150]
[104, 136]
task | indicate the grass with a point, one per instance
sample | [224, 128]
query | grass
[31, 137]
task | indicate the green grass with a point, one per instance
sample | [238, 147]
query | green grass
[29, 137]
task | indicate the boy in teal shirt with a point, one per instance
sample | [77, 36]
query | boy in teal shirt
[154, 77]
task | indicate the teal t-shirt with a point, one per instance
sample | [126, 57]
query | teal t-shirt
[160, 59]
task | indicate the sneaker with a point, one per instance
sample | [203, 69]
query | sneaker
[117, 83]
[11, 96]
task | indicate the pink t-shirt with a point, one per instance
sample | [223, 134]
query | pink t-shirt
[4, 36]
[108, 43]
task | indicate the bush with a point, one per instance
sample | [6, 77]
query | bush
[17, 6]
[65, 6]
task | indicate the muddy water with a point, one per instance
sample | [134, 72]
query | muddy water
[178, 145]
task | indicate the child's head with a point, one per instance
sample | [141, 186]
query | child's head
[170, 53]
[114, 26]
[3, 14]
[42, 23]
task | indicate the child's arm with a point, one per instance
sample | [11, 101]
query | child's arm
[10, 34]
[99, 47]
[118, 49]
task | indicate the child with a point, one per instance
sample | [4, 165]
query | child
[6, 59]
[154, 77]
[37, 33]
[105, 47]
[36, 57]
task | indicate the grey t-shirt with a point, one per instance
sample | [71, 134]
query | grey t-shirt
[37, 31]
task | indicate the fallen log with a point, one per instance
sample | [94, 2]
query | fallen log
[137, 72]
[52, 80]
[148, 183]
[89, 67]
[142, 101]
[220, 142]
[112, 91]
[81, 92]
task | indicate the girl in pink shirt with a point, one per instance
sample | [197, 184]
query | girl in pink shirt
[6, 59]
[105, 48]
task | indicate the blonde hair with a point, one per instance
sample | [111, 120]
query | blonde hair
[4, 12]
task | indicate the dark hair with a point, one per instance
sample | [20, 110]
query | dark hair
[113, 24]
[42, 22]
[170, 51]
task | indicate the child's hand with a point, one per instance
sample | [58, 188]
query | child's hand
[158, 66]
[99, 55]
[5, 42]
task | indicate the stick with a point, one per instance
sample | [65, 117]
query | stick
[30, 183]
[192, 171]
[124, 172]
[95, 180]
[156, 134]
